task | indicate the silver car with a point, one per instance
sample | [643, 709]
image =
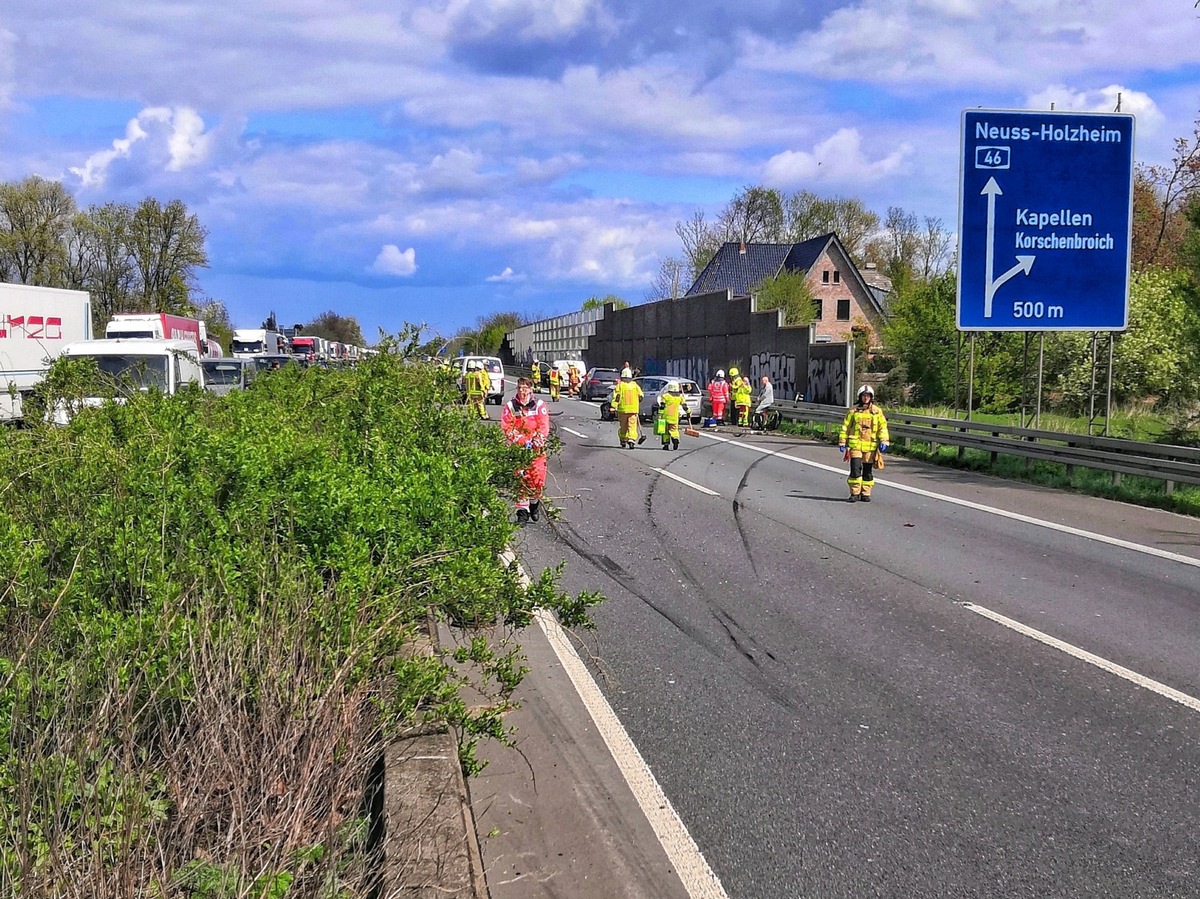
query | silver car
[654, 386]
[225, 375]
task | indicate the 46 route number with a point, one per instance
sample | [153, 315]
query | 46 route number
[1036, 309]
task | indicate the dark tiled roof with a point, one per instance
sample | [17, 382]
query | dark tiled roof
[740, 272]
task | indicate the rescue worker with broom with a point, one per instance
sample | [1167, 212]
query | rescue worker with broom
[863, 440]
[626, 401]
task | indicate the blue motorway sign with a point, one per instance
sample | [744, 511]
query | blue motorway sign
[1044, 221]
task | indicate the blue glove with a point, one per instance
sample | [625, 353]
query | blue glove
[529, 444]
[883, 447]
[841, 447]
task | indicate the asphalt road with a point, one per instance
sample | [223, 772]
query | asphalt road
[840, 701]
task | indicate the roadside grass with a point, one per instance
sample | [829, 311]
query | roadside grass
[1148, 492]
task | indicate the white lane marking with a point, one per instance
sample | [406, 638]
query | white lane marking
[692, 484]
[1082, 654]
[697, 877]
[979, 507]
[576, 433]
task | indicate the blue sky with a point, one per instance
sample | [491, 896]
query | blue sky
[434, 162]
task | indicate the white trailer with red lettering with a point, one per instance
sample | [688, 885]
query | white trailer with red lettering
[35, 324]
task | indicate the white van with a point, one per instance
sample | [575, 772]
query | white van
[137, 364]
[495, 370]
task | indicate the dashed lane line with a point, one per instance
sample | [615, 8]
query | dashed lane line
[692, 484]
[1083, 655]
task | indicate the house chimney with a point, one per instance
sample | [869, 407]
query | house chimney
[869, 266]
[742, 248]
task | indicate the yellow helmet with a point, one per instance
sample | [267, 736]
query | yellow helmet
[733, 372]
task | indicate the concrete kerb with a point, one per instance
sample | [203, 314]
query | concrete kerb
[431, 849]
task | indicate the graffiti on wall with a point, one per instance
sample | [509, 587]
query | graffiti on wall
[780, 368]
[827, 380]
[694, 368]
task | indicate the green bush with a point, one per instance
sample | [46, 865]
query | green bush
[212, 612]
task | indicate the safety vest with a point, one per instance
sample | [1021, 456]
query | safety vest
[627, 396]
[864, 429]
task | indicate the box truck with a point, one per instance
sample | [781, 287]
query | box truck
[258, 342]
[162, 326]
[35, 324]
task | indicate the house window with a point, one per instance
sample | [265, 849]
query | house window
[817, 305]
[837, 277]
[825, 276]
[843, 312]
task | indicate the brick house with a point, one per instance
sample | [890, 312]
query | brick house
[843, 295]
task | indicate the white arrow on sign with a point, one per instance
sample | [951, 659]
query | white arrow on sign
[1024, 263]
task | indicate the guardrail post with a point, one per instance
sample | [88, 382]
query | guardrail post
[993, 455]
[1169, 486]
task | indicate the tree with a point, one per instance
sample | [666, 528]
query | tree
[216, 318]
[700, 243]
[1155, 358]
[905, 248]
[790, 292]
[808, 216]
[34, 217]
[669, 282]
[1171, 187]
[167, 246]
[920, 330]
[754, 216]
[98, 260]
[597, 302]
[331, 326]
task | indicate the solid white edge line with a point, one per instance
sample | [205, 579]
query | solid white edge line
[576, 433]
[1083, 655]
[685, 481]
[693, 870]
[979, 507]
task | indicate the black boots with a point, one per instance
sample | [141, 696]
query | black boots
[535, 510]
[522, 517]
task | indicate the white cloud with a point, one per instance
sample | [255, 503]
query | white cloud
[1105, 99]
[175, 135]
[507, 275]
[8, 67]
[836, 160]
[954, 43]
[394, 261]
[510, 19]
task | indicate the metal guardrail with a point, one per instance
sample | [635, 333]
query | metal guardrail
[1170, 464]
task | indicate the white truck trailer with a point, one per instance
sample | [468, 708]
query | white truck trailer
[35, 324]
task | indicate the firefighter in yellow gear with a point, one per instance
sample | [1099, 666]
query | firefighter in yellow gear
[626, 402]
[555, 382]
[740, 389]
[477, 382]
[671, 405]
[863, 437]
